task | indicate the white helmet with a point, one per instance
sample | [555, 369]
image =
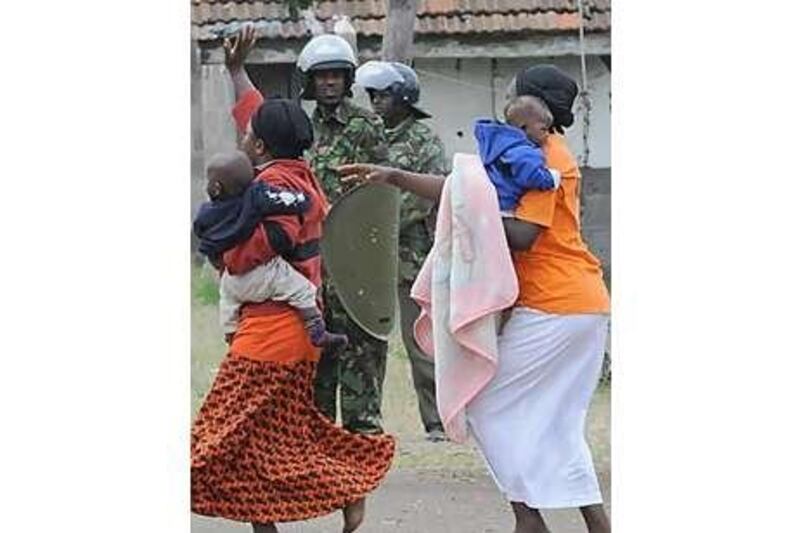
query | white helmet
[377, 75]
[399, 79]
[325, 52]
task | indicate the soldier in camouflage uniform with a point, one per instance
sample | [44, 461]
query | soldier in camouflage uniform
[343, 133]
[413, 146]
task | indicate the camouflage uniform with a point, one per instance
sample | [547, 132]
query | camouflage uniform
[349, 134]
[415, 147]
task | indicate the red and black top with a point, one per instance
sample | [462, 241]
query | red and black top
[296, 238]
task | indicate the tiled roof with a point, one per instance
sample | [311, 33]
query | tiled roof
[434, 17]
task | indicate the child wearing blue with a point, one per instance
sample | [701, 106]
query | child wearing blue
[512, 154]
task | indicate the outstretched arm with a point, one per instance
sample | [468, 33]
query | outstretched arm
[520, 234]
[425, 185]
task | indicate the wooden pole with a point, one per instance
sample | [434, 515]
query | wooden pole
[398, 40]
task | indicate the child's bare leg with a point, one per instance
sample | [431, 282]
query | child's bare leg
[354, 515]
[528, 520]
[596, 519]
[265, 528]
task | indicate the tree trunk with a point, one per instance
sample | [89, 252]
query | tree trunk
[398, 40]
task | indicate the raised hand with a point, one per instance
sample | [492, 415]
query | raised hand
[237, 48]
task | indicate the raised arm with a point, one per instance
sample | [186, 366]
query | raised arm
[248, 99]
[236, 50]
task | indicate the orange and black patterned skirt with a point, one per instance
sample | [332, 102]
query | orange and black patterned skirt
[261, 452]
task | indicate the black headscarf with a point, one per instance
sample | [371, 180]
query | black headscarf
[552, 85]
[284, 127]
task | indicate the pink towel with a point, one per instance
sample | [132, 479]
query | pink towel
[467, 278]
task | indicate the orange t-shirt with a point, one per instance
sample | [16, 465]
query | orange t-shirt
[558, 274]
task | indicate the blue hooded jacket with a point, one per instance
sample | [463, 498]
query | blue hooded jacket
[513, 162]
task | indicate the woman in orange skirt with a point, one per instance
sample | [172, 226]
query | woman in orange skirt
[261, 452]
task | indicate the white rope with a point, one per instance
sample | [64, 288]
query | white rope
[586, 103]
[582, 45]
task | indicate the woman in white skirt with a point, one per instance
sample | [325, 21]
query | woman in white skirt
[529, 420]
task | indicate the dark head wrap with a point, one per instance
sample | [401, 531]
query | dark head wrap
[284, 128]
[552, 85]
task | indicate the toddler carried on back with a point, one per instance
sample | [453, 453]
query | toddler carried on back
[238, 205]
[512, 154]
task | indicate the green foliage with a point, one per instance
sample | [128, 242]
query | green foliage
[205, 289]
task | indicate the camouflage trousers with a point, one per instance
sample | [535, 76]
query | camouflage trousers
[421, 365]
[353, 375]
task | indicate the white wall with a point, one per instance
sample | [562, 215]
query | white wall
[458, 92]
[215, 124]
[219, 131]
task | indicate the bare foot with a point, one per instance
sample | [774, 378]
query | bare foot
[354, 515]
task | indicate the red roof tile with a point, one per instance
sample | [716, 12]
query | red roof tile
[434, 17]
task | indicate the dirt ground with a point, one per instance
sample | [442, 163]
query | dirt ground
[444, 488]
[422, 502]
[432, 487]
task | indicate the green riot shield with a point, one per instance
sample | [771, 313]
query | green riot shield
[359, 250]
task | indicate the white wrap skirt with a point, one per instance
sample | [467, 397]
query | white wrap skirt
[529, 421]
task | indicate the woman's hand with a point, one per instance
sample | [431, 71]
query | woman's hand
[359, 173]
[236, 49]
[425, 185]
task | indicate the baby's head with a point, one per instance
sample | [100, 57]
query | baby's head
[279, 129]
[531, 115]
[228, 175]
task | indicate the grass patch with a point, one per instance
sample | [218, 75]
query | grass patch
[208, 345]
[208, 349]
[205, 287]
